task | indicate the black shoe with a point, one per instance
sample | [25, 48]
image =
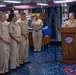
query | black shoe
[13, 69]
[2, 74]
[28, 62]
[37, 51]
[8, 72]
[22, 64]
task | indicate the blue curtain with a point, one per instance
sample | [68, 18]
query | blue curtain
[52, 20]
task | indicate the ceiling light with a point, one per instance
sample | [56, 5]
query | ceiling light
[42, 4]
[11, 1]
[21, 6]
[2, 5]
[74, 0]
[62, 1]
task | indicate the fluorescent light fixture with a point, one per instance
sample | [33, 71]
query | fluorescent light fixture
[11, 1]
[42, 4]
[2, 5]
[62, 1]
[21, 6]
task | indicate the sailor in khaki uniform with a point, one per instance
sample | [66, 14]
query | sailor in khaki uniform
[4, 45]
[6, 22]
[37, 33]
[15, 32]
[71, 22]
[24, 47]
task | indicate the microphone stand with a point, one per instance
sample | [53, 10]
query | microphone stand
[56, 43]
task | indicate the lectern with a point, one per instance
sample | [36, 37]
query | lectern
[68, 37]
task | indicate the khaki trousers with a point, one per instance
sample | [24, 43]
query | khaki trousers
[24, 50]
[14, 54]
[37, 40]
[4, 56]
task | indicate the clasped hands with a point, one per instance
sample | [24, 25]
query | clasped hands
[36, 30]
[19, 40]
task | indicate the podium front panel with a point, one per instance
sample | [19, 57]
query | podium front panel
[68, 37]
[69, 47]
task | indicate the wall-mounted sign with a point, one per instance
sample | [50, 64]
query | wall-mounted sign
[69, 40]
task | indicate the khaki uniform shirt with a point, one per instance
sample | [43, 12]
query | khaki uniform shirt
[24, 26]
[70, 23]
[4, 31]
[6, 23]
[37, 24]
[15, 29]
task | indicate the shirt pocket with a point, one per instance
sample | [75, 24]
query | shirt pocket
[4, 29]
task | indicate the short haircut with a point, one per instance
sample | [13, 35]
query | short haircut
[72, 13]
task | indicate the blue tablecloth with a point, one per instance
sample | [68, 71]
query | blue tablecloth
[46, 31]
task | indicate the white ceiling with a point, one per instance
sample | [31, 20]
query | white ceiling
[34, 1]
[30, 1]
